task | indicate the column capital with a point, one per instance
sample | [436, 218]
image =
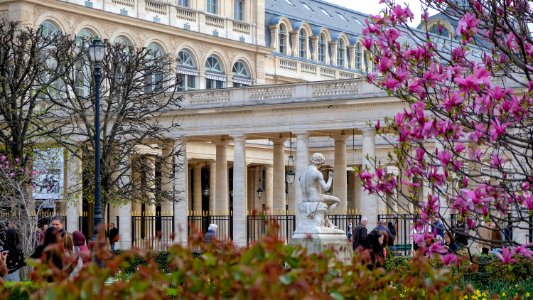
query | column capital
[278, 141]
[301, 133]
[368, 130]
[340, 137]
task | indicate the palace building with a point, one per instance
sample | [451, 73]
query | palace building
[265, 84]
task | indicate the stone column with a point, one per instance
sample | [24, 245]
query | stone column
[268, 186]
[197, 189]
[258, 180]
[302, 160]
[222, 190]
[332, 51]
[314, 47]
[350, 203]
[181, 190]
[75, 191]
[212, 187]
[167, 167]
[278, 180]
[357, 189]
[340, 184]
[369, 203]
[150, 186]
[125, 210]
[239, 191]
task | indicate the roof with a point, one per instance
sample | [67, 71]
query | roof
[318, 14]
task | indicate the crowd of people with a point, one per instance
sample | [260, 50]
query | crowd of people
[64, 251]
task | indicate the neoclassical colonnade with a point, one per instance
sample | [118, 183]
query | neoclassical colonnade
[252, 132]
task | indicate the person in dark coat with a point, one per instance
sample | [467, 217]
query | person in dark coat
[392, 236]
[15, 256]
[360, 235]
[113, 236]
[50, 251]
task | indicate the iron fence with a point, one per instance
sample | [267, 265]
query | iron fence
[200, 223]
[342, 221]
[403, 224]
[152, 232]
[259, 225]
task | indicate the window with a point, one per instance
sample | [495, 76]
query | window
[212, 6]
[214, 73]
[302, 43]
[282, 39]
[125, 42]
[358, 53]
[322, 48]
[241, 75]
[183, 3]
[340, 53]
[238, 9]
[82, 71]
[341, 16]
[325, 12]
[187, 72]
[307, 6]
[48, 28]
[439, 29]
[154, 79]
[289, 1]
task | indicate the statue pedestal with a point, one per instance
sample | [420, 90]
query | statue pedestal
[317, 243]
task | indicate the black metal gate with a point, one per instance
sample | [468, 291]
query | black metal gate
[341, 221]
[201, 223]
[152, 232]
[403, 224]
[258, 226]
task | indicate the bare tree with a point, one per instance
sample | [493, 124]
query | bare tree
[138, 98]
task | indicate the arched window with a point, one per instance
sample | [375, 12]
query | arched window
[83, 70]
[214, 73]
[282, 39]
[358, 56]
[154, 78]
[322, 48]
[187, 71]
[49, 28]
[303, 43]
[341, 49]
[241, 74]
[439, 29]
[212, 6]
[124, 41]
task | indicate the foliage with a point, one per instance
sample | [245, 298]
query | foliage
[465, 134]
[266, 270]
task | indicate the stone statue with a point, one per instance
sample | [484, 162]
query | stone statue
[315, 206]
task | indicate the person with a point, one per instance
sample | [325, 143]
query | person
[490, 238]
[392, 237]
[349, 230]
[42, 233]
[113, 236]
[437, 228]
[15, 256]
[360, 234]
[57, 222]
[48, 252]
[211, 233]
[382, 226]
[384, 242]
[461, 237]
[449, 242]
[80, 246]
[68, 243]
[374, 243]
[311, 180]
[3, 264]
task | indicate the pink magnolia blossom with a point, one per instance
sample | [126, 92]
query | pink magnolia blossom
[506, 255]
[449, 259]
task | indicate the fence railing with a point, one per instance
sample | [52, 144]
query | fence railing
[259, 225]
[152, 232]
[341, 221]
[403, 225]
[201, 223]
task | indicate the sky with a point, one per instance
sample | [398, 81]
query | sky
[373, 7]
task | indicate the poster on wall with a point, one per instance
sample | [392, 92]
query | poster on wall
[48, 182]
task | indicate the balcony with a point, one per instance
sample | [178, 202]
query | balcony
[296, 68]
[167, 12]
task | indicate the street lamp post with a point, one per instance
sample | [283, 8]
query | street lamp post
[96, 53]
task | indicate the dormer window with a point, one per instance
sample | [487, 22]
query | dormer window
[282, 39]
[325, 12]
[322, 48]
